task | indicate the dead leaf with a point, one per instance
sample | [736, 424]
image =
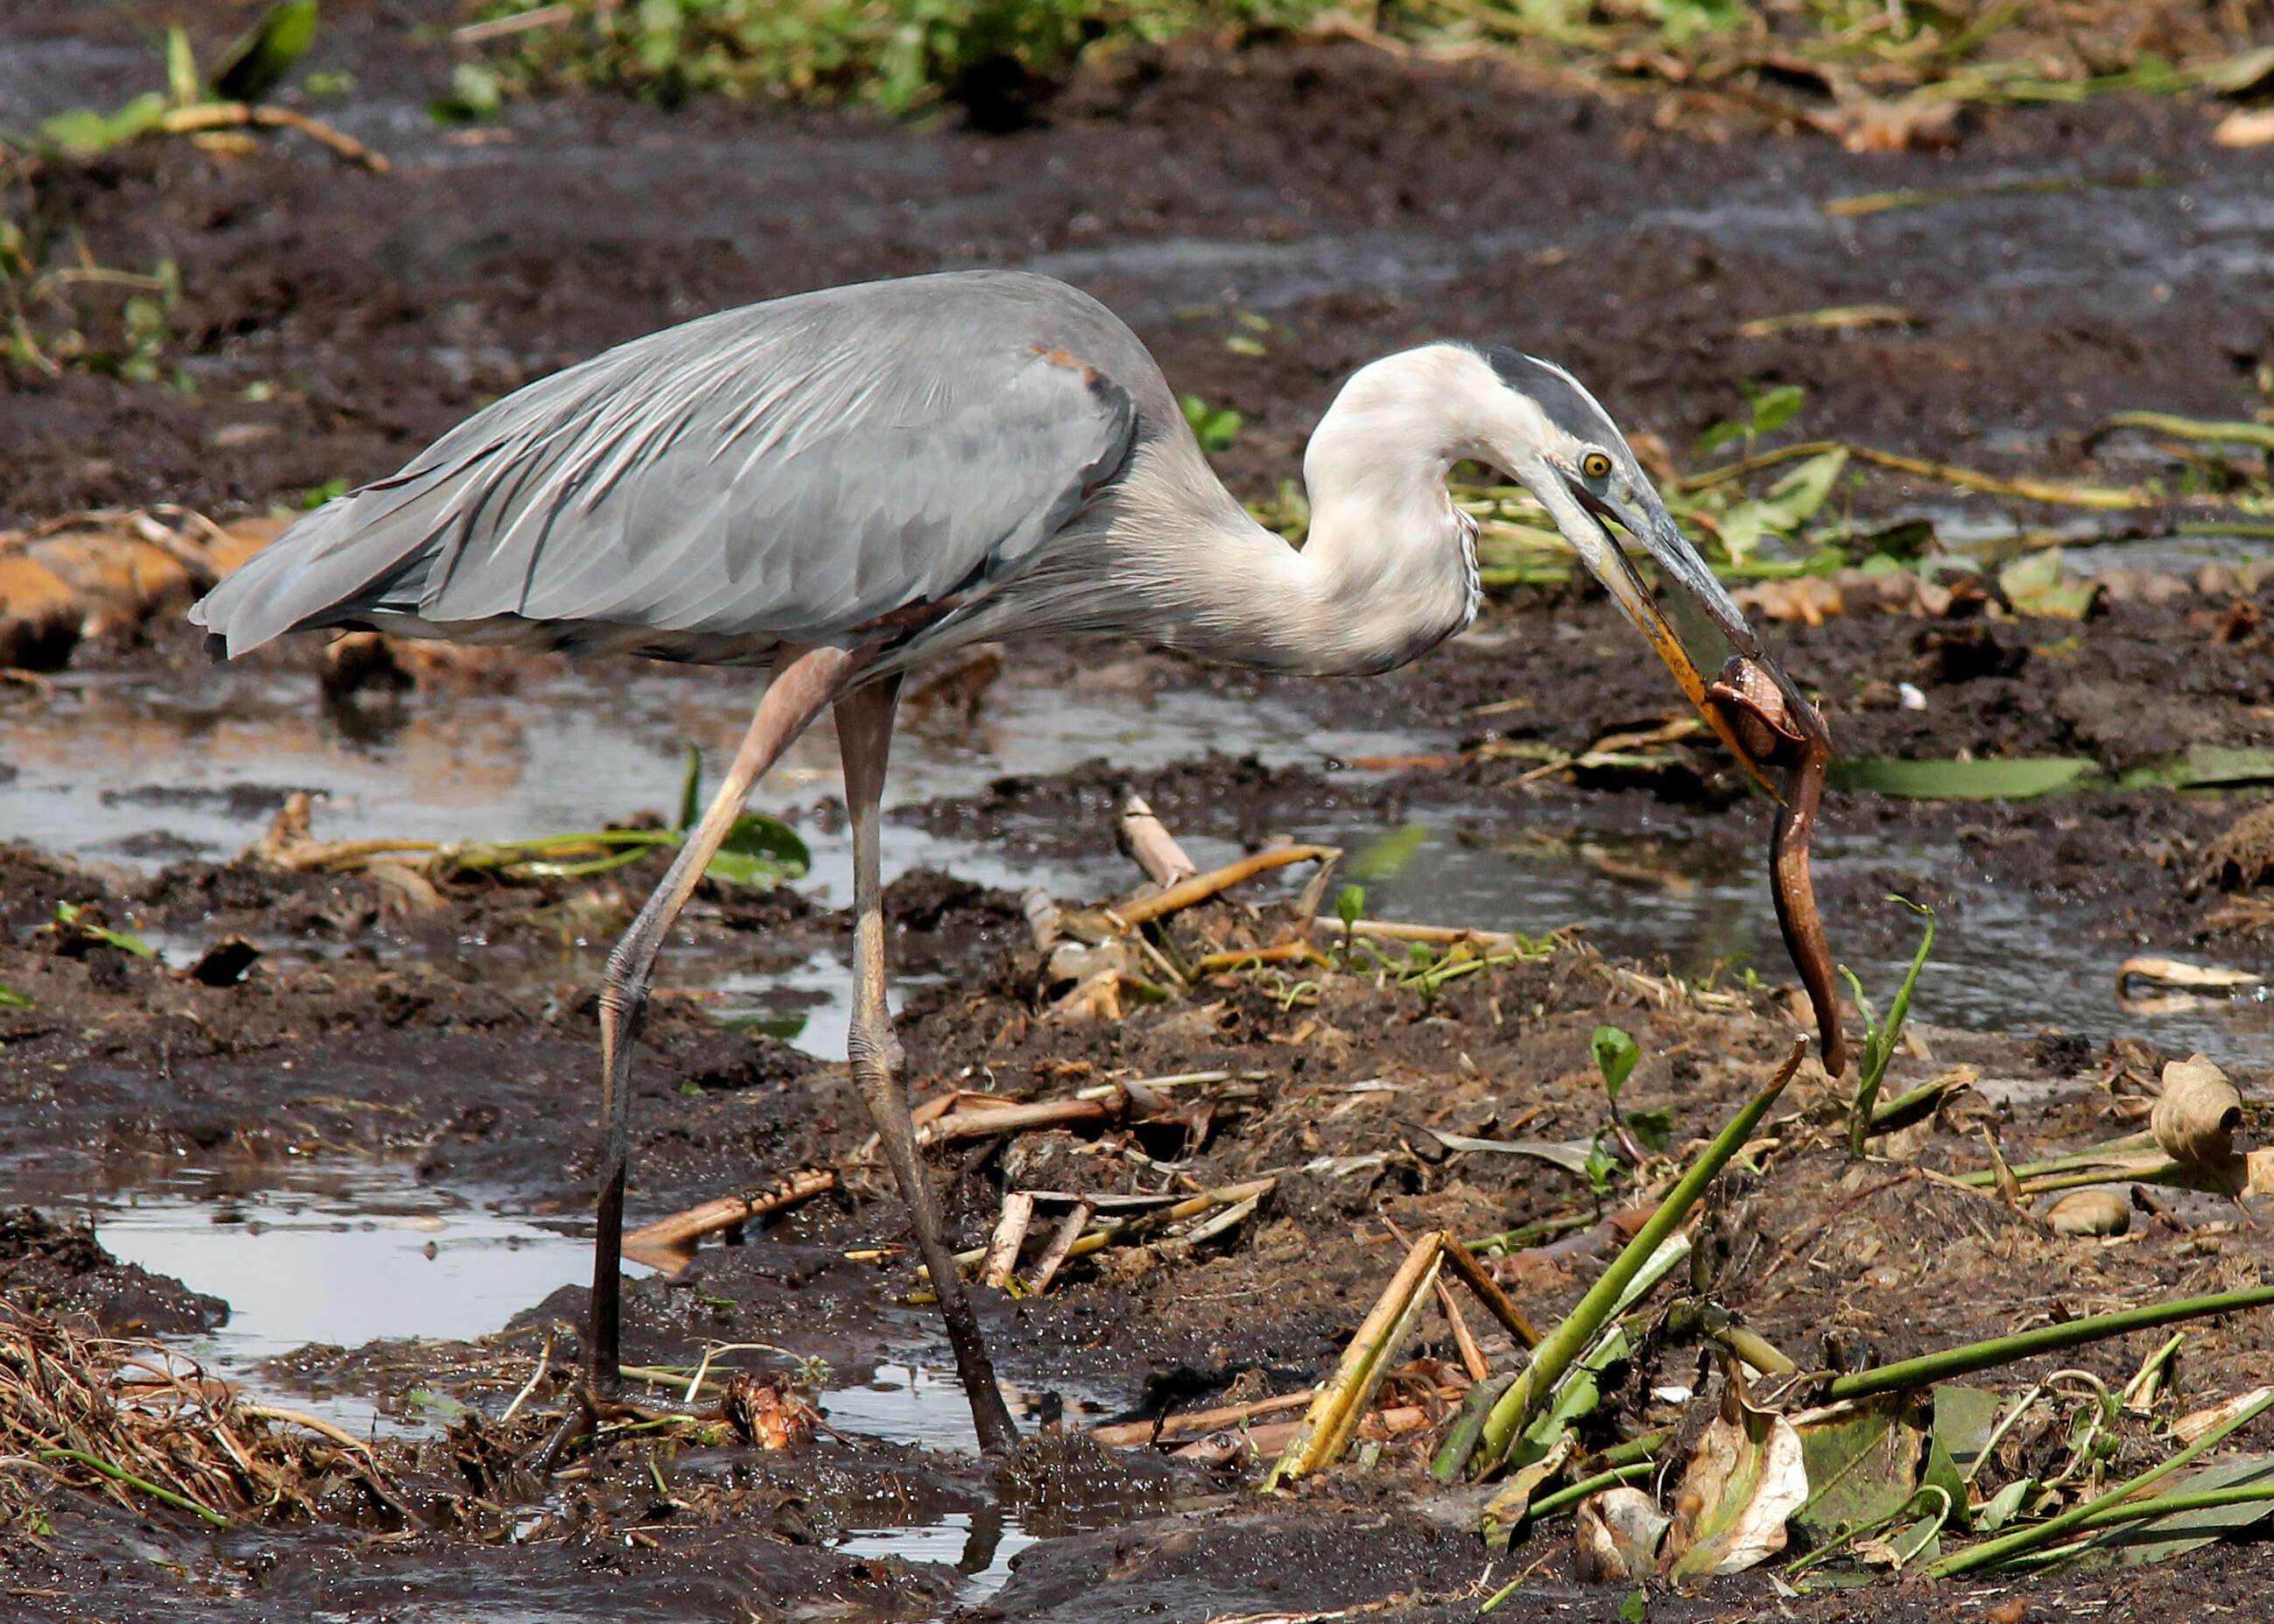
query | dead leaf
[1617, 1534]
[1746, 1476]
[2195, 1120]
[2090, 1212]
[1810, 599]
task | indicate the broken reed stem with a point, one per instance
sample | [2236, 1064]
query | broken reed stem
[1570, 1338]
[1121, 1434]
[2042, 1533]
[1060, 1246]
[2112, 1153]
[1965, 1360]
[1010, 1237]
[668, 1243]
[1327, 1427]
[1148, 840]
[1473, 1357]
[1472, 1274]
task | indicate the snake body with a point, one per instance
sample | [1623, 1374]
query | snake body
[1761, 715]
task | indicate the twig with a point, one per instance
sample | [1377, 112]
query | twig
[1122, 1434]
[961, 1124]
[235, 115]
[544, 1364]
[1201, 887]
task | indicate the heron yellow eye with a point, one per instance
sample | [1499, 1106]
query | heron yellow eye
[1595, 465]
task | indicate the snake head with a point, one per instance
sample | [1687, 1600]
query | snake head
[1771, 723]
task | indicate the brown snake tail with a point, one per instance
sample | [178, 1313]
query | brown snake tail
[1760, 710]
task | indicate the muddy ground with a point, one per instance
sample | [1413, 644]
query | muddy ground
[1358, 203]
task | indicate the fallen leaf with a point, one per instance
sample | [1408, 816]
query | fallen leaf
[1748, 1474]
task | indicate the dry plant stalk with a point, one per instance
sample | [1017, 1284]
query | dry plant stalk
[1333, 1418]
[128, 1421]
[668, 1243]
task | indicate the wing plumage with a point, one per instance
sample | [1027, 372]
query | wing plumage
[789, 471]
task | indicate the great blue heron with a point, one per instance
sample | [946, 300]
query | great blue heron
[845, 484]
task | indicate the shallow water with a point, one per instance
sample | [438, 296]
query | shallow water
[113, 759]
[351, 1252]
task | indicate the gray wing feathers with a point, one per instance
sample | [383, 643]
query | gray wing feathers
[795, 469]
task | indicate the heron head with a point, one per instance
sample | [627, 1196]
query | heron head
[1553, 438]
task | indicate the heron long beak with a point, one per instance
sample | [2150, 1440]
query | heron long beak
[1576, 516]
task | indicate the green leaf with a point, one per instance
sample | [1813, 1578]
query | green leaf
[2001, 1507]
[11, 999]
[1350, 904]
[1775, 407]
[1653, 1130]
[2204, 766]
[70, 915]
[1385, 858]
[760, 850]
[1794, 499]
[2033, 584]
[2019, 778]
[181, 67]
[1862, 1465]
[1964, 1417]
[1615, 1055]
[266, 53]
[690, 789]
[1635, 1607]
[85, 133]
[1216, 428]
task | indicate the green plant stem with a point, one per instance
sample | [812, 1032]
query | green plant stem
[1563, 1500]
[180, 1501]
[1971, 1357]
[1570, 1338]
[2110, 1151]
[1526, 1234]
[2172, 1505]
[2043, 1533]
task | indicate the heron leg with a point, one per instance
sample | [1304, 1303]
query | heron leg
[864, 736]
[804, 682]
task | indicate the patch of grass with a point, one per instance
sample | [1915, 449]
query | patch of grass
[894, 53]
[1876, 73]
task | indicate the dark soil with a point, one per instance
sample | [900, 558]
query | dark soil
[1359, 204]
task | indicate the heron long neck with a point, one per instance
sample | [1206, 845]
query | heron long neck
[1389, 570]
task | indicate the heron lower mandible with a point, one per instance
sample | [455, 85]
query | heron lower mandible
[844, 485]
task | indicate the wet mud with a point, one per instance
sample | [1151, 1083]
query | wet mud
[1356, 204]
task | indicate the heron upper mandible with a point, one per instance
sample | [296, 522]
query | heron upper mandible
[844, 485]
